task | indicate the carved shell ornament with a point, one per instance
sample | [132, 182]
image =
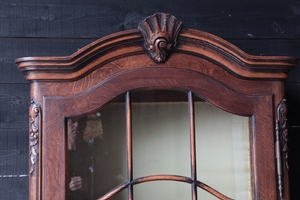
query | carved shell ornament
[160, 32]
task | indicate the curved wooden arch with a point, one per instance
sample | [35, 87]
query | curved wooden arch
[130, 43]
[157, 56]
[60, 107]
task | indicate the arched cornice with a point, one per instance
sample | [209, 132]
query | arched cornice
[130, 43]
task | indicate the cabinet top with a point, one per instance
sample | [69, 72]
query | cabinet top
[159, 36]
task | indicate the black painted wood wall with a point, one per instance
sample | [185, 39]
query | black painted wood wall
[55, 27]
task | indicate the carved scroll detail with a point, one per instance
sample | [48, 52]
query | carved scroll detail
[160, 32]
[282, 123]
[281, 137]
[34, 127]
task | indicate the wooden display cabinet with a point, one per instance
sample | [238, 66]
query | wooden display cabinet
[161, 71]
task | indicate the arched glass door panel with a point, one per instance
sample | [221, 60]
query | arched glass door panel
[97, 160]
[163, 145]
[160, 125]
[223, 151]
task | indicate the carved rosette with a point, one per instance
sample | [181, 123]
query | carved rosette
[160, 33]
[34, 127]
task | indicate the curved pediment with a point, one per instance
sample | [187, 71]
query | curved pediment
[158, 36]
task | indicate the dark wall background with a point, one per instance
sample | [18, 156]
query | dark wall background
[56, 27]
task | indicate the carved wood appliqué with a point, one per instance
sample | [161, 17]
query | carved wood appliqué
[160, 32]
[34, 127]
[282, 123]
[281, 138]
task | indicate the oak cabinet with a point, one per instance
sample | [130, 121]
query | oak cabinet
[161, 112]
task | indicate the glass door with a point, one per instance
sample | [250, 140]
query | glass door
[159, 145]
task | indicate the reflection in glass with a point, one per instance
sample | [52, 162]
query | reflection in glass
[79, 159]
[96, 159]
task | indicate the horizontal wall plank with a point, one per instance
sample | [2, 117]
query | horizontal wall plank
[14, 101]
[14, 188]
[12, 48]
[13, 153]
[94, 19]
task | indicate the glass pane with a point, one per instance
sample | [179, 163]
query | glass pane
[223, 151]
[203, 195]
[96, 152]
[123, 195]
[160, 137]
[162, 190]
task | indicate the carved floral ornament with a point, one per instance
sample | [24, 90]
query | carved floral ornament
[160, 32]
[282, 124]
[34, 127]
[281, 143]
